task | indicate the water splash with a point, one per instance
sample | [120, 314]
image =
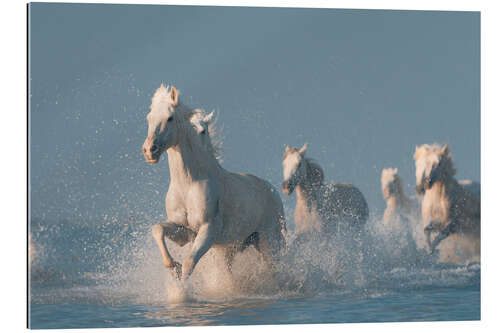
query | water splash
[120, 264]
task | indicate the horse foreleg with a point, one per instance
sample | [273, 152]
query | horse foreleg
[428, 230]
[176, 232]
[427, 233]
[441, 235]
[202, 243]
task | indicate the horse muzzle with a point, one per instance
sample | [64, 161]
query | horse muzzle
[425, 184]
[151, 151]
[151, 158]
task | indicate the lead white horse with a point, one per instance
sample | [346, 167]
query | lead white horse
[448, 208]
[206, 204]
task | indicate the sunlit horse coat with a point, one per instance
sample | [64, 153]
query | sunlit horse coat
[447, 207]
[206, 204]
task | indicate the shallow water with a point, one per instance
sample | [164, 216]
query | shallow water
[83, 276]
[422, 305]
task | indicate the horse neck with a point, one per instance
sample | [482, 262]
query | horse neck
[446, 186]
[307, 195]
[307, 210]
[398, 199]
[189, 162]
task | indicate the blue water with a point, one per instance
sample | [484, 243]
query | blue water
[424, 305]
[111, 276]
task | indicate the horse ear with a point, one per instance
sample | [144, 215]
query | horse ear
[208, 117]
[445, 150]
[287, 148]
[417, 153]
[174, 95]
[395, 170]
[303, 149]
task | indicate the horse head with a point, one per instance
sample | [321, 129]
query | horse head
[294, 168]
[433, 163]
[163, 125]
[391, 183]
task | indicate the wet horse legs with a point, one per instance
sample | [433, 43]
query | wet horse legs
[442, 234]
[177, 233]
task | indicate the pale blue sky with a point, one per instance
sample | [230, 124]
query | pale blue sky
[361, 87]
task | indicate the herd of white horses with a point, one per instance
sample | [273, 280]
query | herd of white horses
[210, 207]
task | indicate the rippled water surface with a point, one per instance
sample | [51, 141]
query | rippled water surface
[438, 304]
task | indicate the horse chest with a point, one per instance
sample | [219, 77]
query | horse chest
[435, 205]
[193, 205]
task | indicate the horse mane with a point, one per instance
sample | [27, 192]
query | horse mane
[443, 152]
[160, 96]
[315, 172]
[216, 138]
[448, 162]
[214, 132]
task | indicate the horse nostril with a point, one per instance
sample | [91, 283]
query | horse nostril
[154, 148]
[143, 149]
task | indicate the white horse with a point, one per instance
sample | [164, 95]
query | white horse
[398, 205]
[447, 207]
[321, 208]
[206, 204]
[402, 213]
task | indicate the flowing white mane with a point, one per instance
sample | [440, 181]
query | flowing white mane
[197, 118]
[161, 96]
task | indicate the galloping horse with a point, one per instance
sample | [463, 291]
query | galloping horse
[321, 208]
[399, 206]
[206, 204]
[447, 207]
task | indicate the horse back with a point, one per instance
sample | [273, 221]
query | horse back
[466, 208]
[474, 188]
[348, 203]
